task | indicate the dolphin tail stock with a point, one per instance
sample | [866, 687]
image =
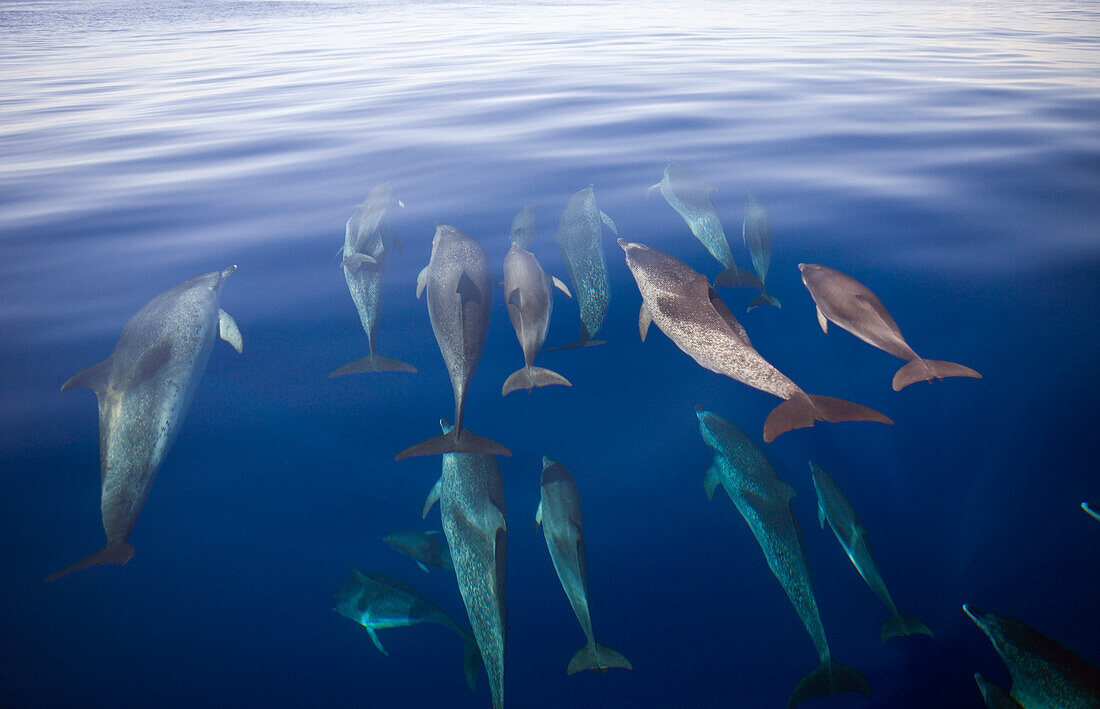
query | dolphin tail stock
[471, 660]
[595, 656]
[830, 677]
[114, 553]
[372, 363]
[735, 276]
[763, 299]
[454, 441]
[801, 410]
[919, 370]
[530, 377]
[900, 624]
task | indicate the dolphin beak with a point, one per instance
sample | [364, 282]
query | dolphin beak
[801, 267]
[623, 243]
[227, 272]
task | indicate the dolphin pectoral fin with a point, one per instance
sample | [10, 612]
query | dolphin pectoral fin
[902, 624]
[830, 677]
[821, 320]
[357, 260]
[995, 697]
[116, 553]
[94, 377]
[649, 190]
[339, 252]
[610, 224]
[377, 643]
[597, 657]
[820, 514]
[422, 281]
[711, 481]
[422, 567]
[561, 286]
[228, 331]
[538, 514]
[372, 363]
[922, 369]
[467, 290]
[644, 320]
[433, 497]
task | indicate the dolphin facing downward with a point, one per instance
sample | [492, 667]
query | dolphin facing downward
[853, 306]
[833, 506]
[530, 303]
[559, 513]
[524, 227]
[581, 241]
[144, 389]
[688, 310]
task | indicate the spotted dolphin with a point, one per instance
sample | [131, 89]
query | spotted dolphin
[458, 282]
[687, 309]
[1044, 673]
[756, 232]
[524, 227]
[422, 547]
[144, 389]
[853, 306]
[834, 507]
[470, 493]
[559, 513]
[364, 263]
[530, 303]
[581, 240]
[763, 499]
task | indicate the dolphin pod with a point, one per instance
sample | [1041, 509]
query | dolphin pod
[688, 310]
[559, 513]
[144, 390]
[581, 240]
[763, 499]
[422, 547]
[530, 303]
[853, 306]
[834, 507]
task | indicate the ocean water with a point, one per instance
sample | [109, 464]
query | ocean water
[947, 155]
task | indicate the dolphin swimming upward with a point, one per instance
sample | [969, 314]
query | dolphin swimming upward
[470, 493]
[523, 227]
[530, 303]
[460, 294]
[851, 305]
[756, 231]
[559, 513]
[422, 547]
[764, 501]
[144, 389]
[833, 506]
[364, 267]
[581, 241]
[688, 310]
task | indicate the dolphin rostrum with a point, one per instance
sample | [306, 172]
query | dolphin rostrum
[852, 306]
[994, 696]
[523, 227]
[143, 390]
[688, 310]
[756, 231]
[1044, 673]
[460, 294]
[470, 493]
[364, 265]
[377, 601]
[580, 238]
[530, 302]
[763, 499]
[422, 547]
[833, 506]
[1090, 512]
[690, 196]
[559, 513]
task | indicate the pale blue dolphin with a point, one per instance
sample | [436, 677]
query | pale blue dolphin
[580, 237]
[756, 232]
[524, 227]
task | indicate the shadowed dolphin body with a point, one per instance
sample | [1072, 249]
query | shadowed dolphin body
[470, 493]
[422, 547]
[756, 231]
[524, 227]
[833, 506]
[364, 263]
[144, 390]
[1045, 675]
[458, 282]
[581, 240]
[994, 696]
[852, 305]
[559, 513]
[530, 303]
[691, 314]
[763, 499]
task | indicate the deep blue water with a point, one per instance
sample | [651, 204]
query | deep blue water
[946, 155]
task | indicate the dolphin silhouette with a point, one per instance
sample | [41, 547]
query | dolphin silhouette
[756, 232]
[422, 547]
[530, 303]
[580, 238]
[524, 227]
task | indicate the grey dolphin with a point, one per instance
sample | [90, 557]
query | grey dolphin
[852, 306]
[690, 197]
[763, 499]
[524, 227]
[833, 506]
[377, 601]
[756, 232]
[688, 310]
[1090, 512]
[365, 254]
[144, 389]
[422, 547]
[459, 286]
[470, 493]
[995, 697]
[580, 237]
[1044, 673]
[559, 513]
[530, 303]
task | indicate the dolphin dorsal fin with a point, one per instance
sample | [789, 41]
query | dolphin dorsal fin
[820, 513]
[94, 377]
[468, 290]
[644, 319]
[228, 331]
[610, 224]
[422, 281]
[433, 497]
[561, 286]
[821, 320]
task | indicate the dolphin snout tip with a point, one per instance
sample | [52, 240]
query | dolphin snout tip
[801, 267]
[546, 462]
[228, 271]
[623, 243]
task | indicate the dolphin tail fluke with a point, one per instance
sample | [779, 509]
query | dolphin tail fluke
[737, 277]
[373, 363]
[830, 677]
[763, 299]
[597, 657]
[801, 410]
[116, 553]
[919, 370]
[531, 377]
[454, 441]
[901, 624]
[471, 660]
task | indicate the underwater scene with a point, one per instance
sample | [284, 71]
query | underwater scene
[550, 354]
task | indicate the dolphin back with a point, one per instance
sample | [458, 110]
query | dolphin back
[830, 677]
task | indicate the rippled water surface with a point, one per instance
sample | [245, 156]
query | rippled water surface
[947, 155]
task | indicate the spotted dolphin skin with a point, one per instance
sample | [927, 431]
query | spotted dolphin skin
[470, 493]
[559, 513]
[851, 305]
[1045, 675]
[688, 310]
[422, 547]
[365, 253]
[580, 237]
[756, 231]
[763, 499]
[530, 303]
[834, 507]
[144, 389]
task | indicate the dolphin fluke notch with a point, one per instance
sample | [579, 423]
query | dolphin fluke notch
[736, 277]
[452, 442]
[919, 370]
[764, 299]
[830, 677]
[530, 377]
[471, 660]
[373, 363]
[902, 624]
[800, 411]
[117, 553]
[597, 657]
